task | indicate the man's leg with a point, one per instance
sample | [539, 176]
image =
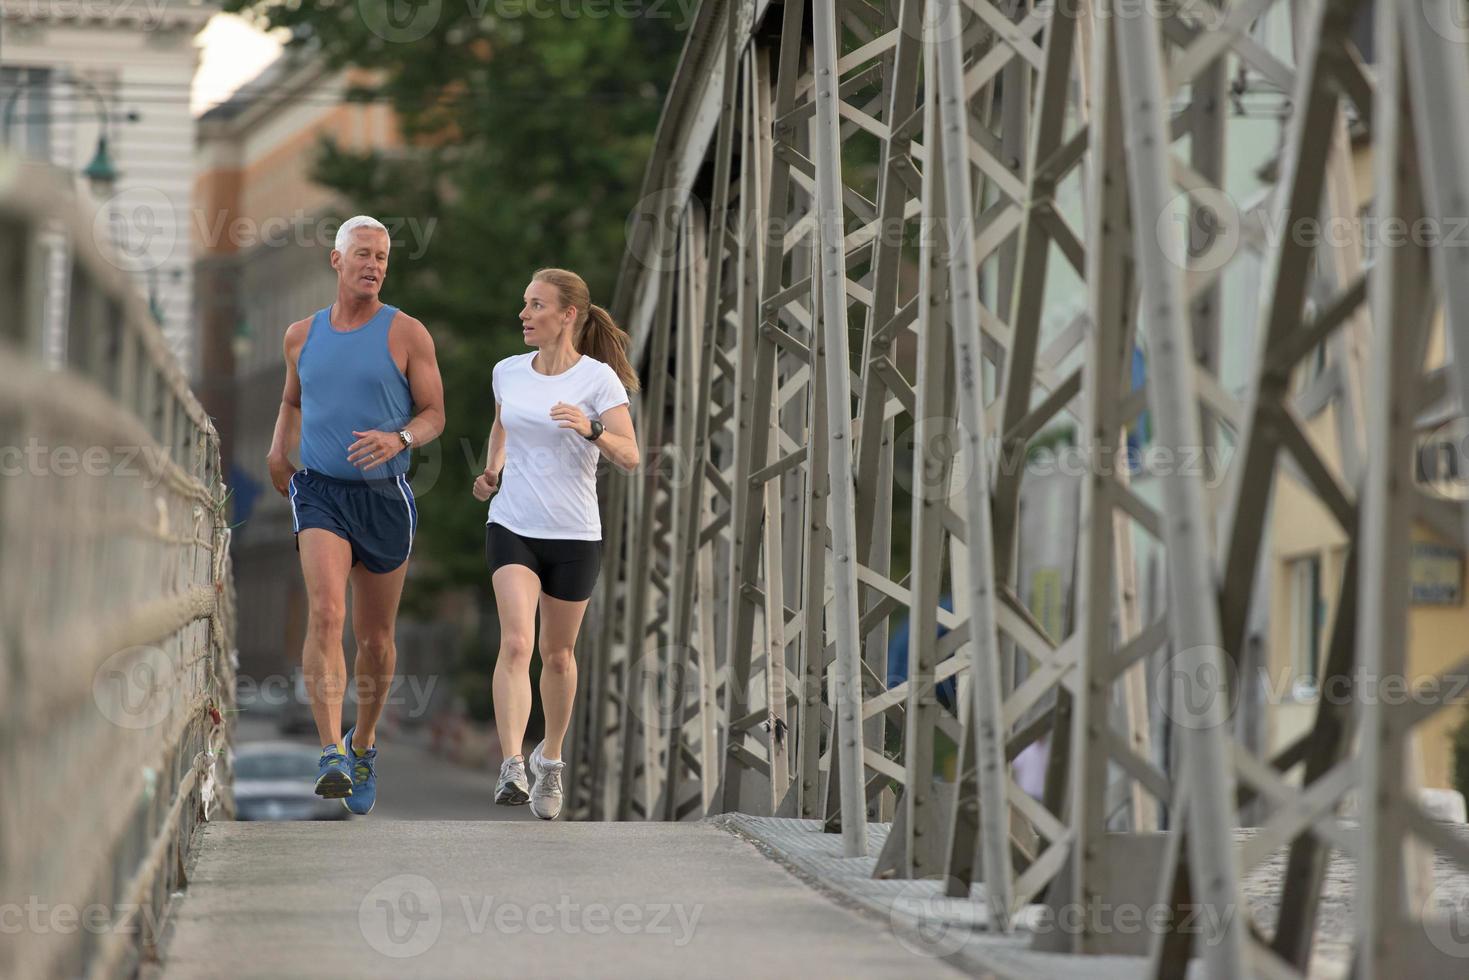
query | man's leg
[374, 617]
[560, 622]
[516, 587]
[325, 562]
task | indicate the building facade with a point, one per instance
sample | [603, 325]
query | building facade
[80, 79]
[1308, 558]
[1308, 549]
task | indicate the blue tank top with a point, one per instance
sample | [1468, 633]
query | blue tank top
[350, 382]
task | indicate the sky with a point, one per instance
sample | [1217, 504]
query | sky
[232, 52]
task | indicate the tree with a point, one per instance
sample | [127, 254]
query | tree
[529, 136]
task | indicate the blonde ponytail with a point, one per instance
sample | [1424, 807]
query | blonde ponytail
[596, 334]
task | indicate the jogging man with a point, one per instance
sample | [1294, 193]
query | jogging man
[362, 389]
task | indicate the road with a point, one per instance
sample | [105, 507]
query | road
[439, 882]
[413, 783]
[445, 899]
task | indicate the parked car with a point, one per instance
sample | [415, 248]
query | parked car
[277, 781]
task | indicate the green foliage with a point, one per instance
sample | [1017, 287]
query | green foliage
[1052, 439]
[470, 685]
[529, 138]
[1460, 738]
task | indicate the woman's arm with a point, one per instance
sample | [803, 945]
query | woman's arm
[495, 451]
[489, 481]
[618, 442]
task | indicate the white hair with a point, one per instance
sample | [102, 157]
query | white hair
[344, 233]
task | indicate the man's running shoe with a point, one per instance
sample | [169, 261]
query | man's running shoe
[334, 779]
[364, 777]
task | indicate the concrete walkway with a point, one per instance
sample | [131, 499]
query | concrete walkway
[486, 899]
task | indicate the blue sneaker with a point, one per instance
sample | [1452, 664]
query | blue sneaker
[364, 778]
[334, 779]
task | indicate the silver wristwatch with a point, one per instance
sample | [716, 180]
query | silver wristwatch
[405, 437]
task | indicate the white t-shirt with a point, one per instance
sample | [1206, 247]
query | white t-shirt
[548, 488]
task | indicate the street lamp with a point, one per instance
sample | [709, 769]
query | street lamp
[101, 172]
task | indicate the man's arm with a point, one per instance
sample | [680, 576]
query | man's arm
[287, 434]
[374, 447]
[425, 384]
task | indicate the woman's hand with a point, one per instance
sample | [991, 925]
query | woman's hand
[568, 416]
[486, 484]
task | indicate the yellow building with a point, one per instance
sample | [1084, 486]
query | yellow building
[1308, 557]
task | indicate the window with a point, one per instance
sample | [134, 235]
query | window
[25, 109]
[1306, 623]
[1313, 364]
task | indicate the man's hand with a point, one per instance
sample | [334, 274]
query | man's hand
[281, 472]
[485, 484]
[570, 417]
[373, 448]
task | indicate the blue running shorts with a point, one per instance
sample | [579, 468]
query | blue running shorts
[376, 517]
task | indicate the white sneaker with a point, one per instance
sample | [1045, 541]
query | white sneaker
[512, 789]
[545, 795]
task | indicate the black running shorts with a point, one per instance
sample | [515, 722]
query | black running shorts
[566, 567]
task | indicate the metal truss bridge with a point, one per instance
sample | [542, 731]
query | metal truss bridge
[885, 254]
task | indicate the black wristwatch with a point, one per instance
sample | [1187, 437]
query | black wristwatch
[597, 431]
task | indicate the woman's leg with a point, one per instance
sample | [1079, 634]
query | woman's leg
[560, 622]
[516, 588]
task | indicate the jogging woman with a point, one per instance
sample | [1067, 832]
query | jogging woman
[558, 409]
